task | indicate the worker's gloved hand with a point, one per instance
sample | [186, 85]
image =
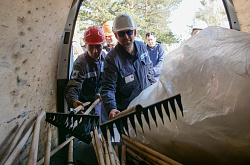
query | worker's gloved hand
[112, 113]
[98, 96]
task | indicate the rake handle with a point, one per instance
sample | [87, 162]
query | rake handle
[48, 147]
[19, 146]
[94, 146]
[150, 151]
[144, 153]
[92, 106]
[56, 149]
[32, 159]
[126, 111]
[80, 107]
[14, 141]
[106, 152]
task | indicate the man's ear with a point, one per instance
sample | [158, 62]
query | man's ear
[135, 32]
[116, 36]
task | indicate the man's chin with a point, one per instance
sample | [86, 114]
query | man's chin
[127, 44]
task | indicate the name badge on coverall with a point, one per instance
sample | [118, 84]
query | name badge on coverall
[129, 78]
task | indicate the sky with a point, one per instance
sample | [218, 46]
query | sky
[183, 17]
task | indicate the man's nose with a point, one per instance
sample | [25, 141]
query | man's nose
[125, 35]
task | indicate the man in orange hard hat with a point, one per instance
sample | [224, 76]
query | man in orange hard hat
[109, 36]
[86, 78]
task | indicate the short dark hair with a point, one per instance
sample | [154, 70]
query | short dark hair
[150, 33]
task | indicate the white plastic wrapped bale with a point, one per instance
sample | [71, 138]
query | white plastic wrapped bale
[211, 72]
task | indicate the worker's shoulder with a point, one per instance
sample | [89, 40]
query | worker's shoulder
[159, 45]
[140, 44]
[81, 59]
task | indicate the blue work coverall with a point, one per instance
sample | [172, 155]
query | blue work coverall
[85, 80]
[125, 76]
[156, 54]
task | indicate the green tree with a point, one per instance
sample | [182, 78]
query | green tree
[212, 12]
[148, 15]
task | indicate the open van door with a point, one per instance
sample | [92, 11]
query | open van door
[66, 60]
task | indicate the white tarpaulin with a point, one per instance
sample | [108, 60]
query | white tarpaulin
[211, 72]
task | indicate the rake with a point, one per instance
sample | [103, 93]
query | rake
[121, 119]
[76, 124]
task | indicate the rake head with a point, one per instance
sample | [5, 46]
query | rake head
[78, 125]
[121, 122]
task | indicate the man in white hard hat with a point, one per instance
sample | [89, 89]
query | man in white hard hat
[198, 26]
[127, 68]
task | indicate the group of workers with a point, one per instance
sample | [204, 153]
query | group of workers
[117, 72]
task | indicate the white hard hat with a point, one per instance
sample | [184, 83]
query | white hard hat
[123, 22]
[200, 25]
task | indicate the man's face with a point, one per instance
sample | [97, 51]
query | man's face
[126, 37]
[94, 50]
[111, 40]
[151, 40]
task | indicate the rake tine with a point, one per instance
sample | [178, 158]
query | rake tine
[77, 129]
[159, 110]
[69, 122]
[165, 105]
[132, 121]
[72, 123]
[178, 100]
[110, 126]
[77, 125]
[121, 119]
[119, 127]
[90, 126]
[138, 116]
[84, 123]
[145, 113]
[96, 121]
[48, 117]
[79, 119]
[104, 132]
[171, 101]
[60, 119]
[125, 124]
[152, 112]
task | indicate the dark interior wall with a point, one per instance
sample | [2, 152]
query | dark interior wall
[31, 33]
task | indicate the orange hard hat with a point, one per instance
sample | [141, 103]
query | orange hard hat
[107, 28]
[94, 35]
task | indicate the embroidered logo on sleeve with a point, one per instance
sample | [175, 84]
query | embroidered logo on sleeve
[144, 55]
[74, 74]
[129, 78]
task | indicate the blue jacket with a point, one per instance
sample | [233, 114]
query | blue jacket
[156, 55]
[125, 76]
[85, 80]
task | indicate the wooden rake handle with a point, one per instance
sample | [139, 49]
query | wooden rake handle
[126, 111]
[80, 107]
[92, 106]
